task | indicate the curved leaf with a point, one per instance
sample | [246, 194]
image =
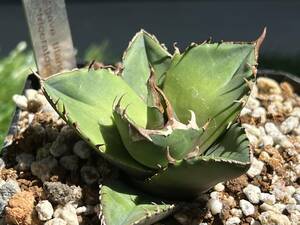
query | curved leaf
[210, 79]
[144, 52]
[85, 100]
[123, 205]
[227, 159]
[155, 148]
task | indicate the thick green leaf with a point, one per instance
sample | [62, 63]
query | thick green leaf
[227, 159]
[155, 148]
[85, 100]
[144, 52]
[123, 205]
[209, 79]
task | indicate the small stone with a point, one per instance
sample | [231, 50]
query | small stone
[295, 218]
[280, 207]
[233, 221]
[21, 101]
[219, 187]
[245, 111]
[236, 212]
[268, 198]
[296, 196]
[292, 207]
[252, 103]
[267, 85]
[58, 149]
[252, 130]
[259, 112]
[290, 190]
[247, 208]
[42, 153]
[44, 210]
[86, 210]
[254, 222]
[274, 132]
[287, 106]
[253, 193]
[273, 218]
[20, 209]
[266, 207]
[24, 161]
[62, 193]
[56, 221]
[296, 112]
[7, 190]
[289, 124]
[267, 140]
[42, 169]
[67, 213]
[214, 195]
[70, 162]
[215, 206]
[89, 174]
[255, 168]
[82, 149]
[2, 163]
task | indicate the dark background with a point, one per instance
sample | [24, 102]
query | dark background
[180, 21]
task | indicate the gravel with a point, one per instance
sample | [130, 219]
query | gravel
[45, 210]
[62, 172]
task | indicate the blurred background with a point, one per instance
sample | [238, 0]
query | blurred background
[112, 23]
[101, 30]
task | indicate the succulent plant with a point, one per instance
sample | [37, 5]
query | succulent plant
[168, 121]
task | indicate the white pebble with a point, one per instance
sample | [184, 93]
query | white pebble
[86, 210]
[287, 107]
[267, 140]
[290, 190]
[236, 212]
[67, 213]
[247, 208]
[252, 103]
[296, 196]
[273, 131]
[21, 101]
[252, 129]
[266, 207]
[296, 112]
[253, 193]
[245, 111]
[270, 217]
[280, 207]
[30, 93]
[289, 124]
[219, 187]
[214, 195]
[259, 112]
[215, 206]
[233, 221]
[44, 210]
[255, 168]
[268, 198]
[56, 221]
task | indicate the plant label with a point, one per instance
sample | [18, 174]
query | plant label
[50, 35]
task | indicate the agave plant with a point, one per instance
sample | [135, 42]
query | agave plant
[168, 121]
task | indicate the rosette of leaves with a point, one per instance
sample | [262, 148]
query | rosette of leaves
[168, 121]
